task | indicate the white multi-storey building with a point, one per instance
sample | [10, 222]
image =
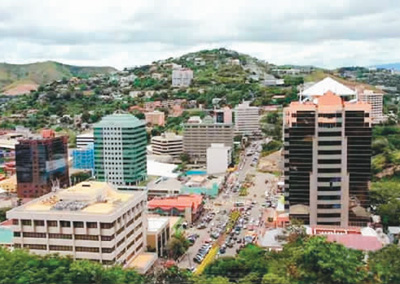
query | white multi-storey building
[90, 220]
[247, 118]
[219, 158]
[182, 77]
[376, 102]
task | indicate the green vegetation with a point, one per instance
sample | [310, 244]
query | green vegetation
[43, 72]
[177, 245]
[19, 266]
[307, 260]
[303, 260]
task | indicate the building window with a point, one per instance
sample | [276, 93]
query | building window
[52, 223]
[87, 249]
[60, 236]
[39, 223]
[60, 248]
[87, 237]
[34, 246]
[107, 250]
[33, 235]
[65, 224]
[107, 225]
[17, 234]
[91, 225]
[15, 222]
[107, 238]
[26, 222]
[78, 225]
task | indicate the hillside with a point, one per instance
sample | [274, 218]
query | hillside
[21, 78]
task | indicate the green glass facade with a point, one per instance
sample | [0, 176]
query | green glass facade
[120, 150]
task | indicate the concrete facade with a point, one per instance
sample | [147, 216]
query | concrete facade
[90, 220]
[167, 144]
[199, 134]
[247, 119]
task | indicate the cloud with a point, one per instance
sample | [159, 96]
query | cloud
[122, 32]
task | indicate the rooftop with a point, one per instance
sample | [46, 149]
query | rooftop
[156, 223]
[328, 84]
[119, 120]
[91, 197]
[87, 134]
[356, 241]
[143, 262]
[167, 136]
[179, 202]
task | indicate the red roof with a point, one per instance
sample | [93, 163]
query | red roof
[356, 241]
[47, 133]
[179, 202]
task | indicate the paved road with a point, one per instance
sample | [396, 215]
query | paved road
[225, 202]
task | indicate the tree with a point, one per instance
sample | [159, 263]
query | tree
[271, 278]
[177, 246]
[385, 265]
[330, 263]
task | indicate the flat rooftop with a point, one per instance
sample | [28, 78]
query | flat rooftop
[154, 224]
[91, 197]
[143, 262]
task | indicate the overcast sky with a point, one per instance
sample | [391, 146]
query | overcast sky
[123, 33]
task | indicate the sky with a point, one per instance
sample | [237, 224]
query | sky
[125, 33]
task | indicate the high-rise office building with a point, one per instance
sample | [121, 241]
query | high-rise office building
[41, 164]
[247, 119]
[199, 134]
[327, 149]
[120, 150]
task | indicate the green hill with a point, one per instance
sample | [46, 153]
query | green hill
[14, 75]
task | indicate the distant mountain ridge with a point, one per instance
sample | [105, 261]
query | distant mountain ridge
[21, 78]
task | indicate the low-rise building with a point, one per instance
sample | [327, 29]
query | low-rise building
[90, 220]
[158, 234]
[219, 157]
[155, 118]
[187, 206]
[164, 187]
[203, 185]
[167, 144]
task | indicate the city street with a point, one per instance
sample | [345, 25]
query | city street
[222, 205]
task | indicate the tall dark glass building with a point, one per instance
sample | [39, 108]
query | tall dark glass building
[41, 163]
[327, 149]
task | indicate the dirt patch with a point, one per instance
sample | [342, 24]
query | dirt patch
[21, 89]
[271, 163]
